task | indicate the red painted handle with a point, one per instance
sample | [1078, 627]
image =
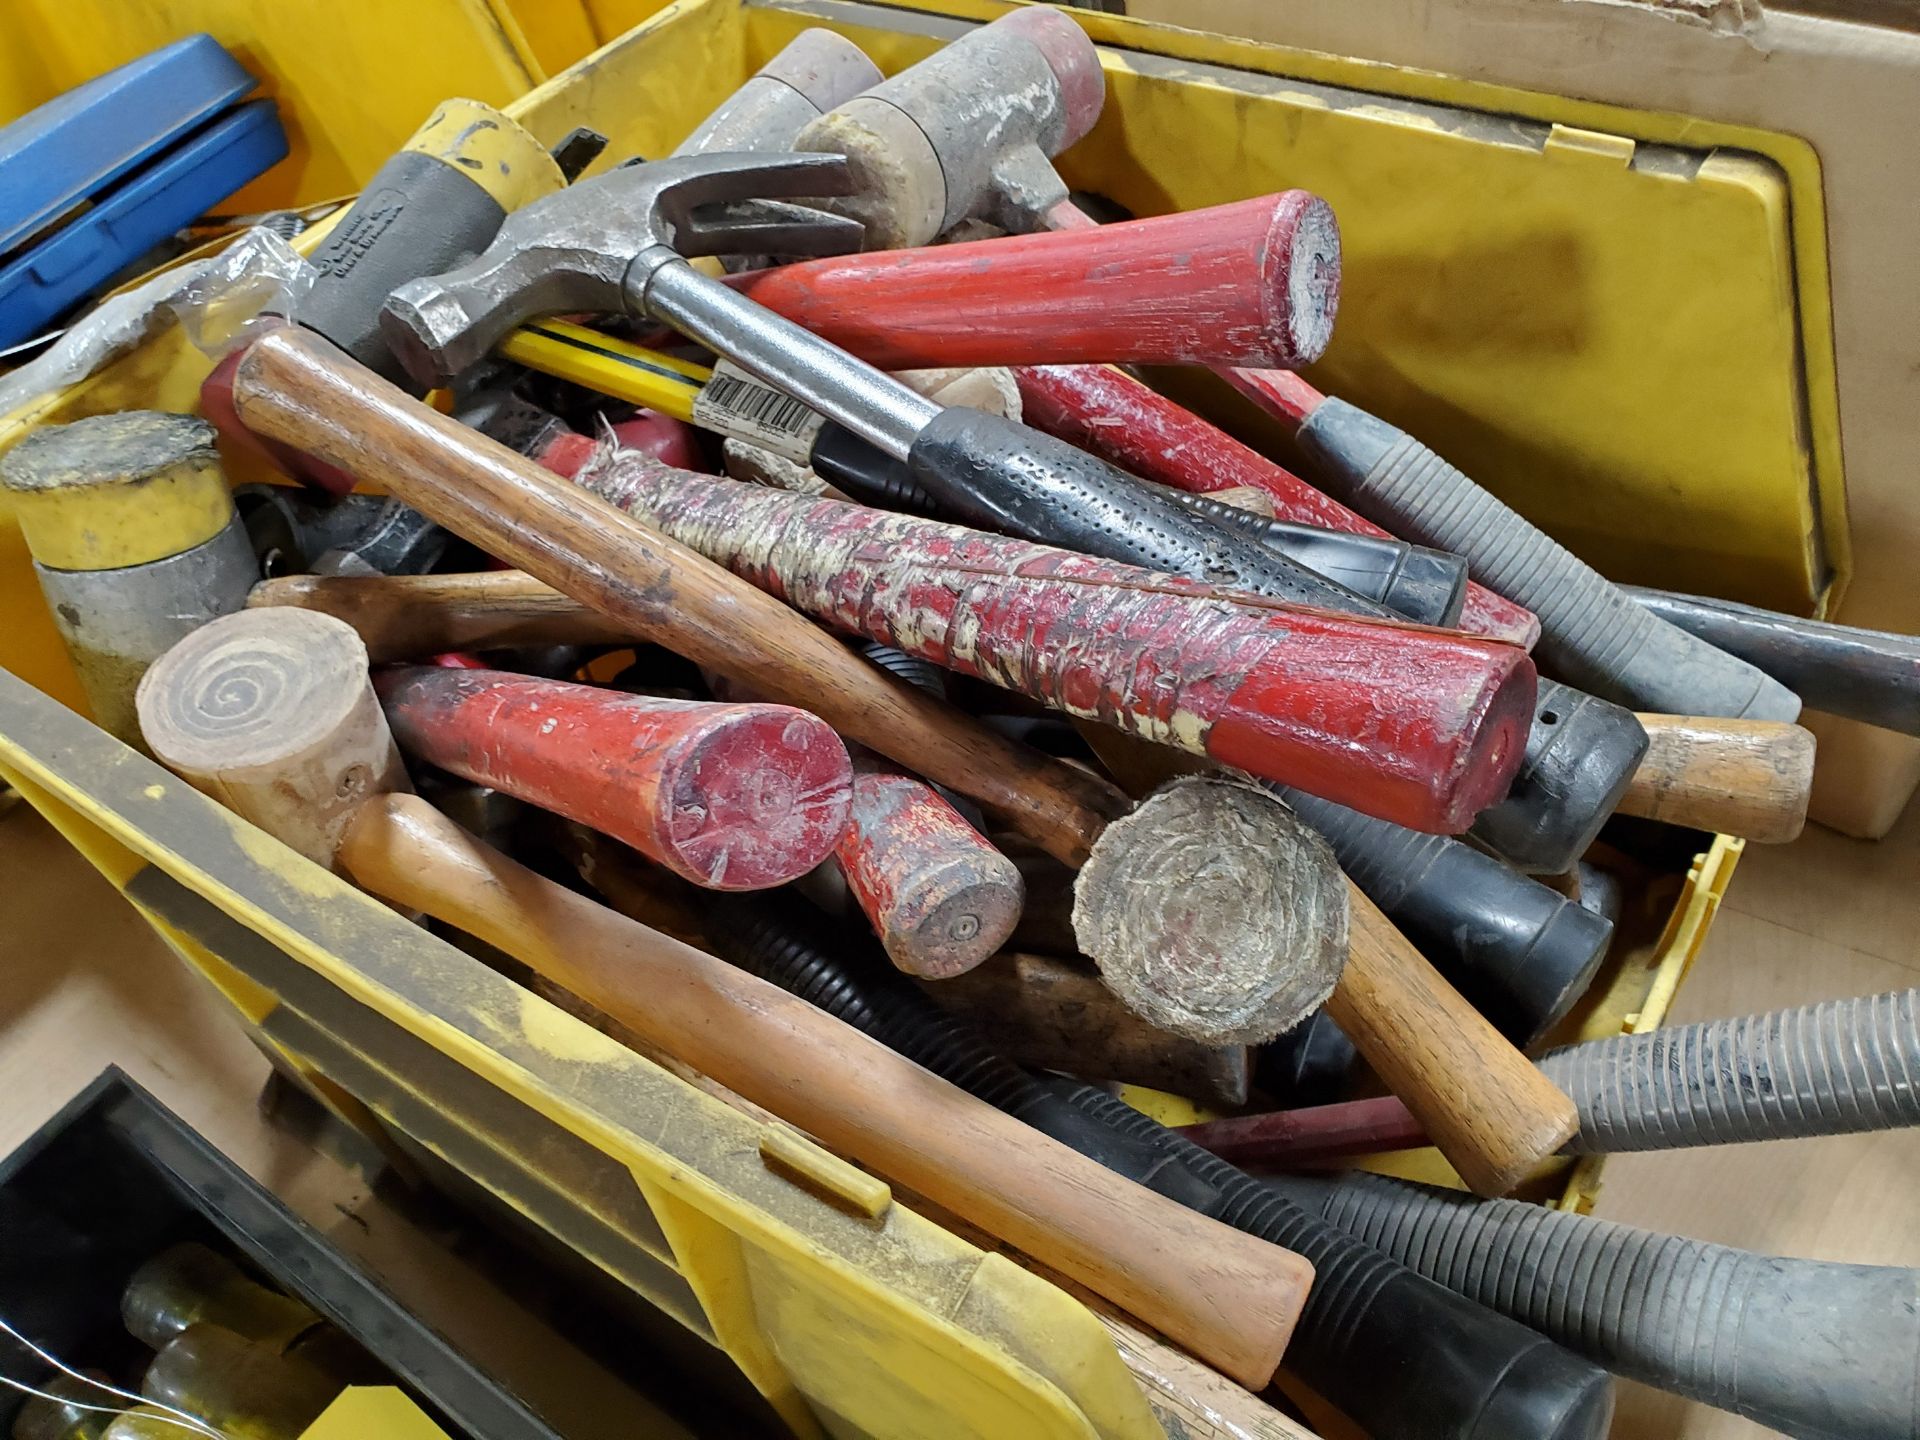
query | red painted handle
[940, 897]
[1255, 282]
[1117, 418]
[1282, 1139]
[1422, 727]
[731, 797]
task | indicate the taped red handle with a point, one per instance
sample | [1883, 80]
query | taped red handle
[1256, 283]
[1421, 727]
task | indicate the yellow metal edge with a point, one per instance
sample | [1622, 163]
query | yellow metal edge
[719, 1281]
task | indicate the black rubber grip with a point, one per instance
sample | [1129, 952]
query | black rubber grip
[1411, 581]
[1581, 755]
[418, 216]
[1429, 586]
[996, 474]
[1520, 953]
[1813, 1349]
[1872, 676]
[1590, 632]
[1837, 1068]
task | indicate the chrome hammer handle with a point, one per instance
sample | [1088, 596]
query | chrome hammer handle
[869, 402]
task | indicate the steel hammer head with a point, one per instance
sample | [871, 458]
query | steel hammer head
[572, 250]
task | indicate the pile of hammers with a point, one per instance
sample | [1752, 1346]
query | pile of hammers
[995, 731]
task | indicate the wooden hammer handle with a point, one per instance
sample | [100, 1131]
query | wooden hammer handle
[411, 617]
[1227, 1296]
[1749, 778]
[1493, 1115]
[295, 388]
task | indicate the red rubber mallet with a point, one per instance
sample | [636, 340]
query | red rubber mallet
[730, 797]
[937, 893]
[1256, 282]
[1122, 421]
[1420, 726]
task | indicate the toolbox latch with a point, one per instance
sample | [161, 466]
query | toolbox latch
[1570, 140]
[807, 1165]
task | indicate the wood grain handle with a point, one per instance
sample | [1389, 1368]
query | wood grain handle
[1255, 282]
[1228, 1297]
[1493, 1115]
[1749, 778]
[295, 388]
[410, 617]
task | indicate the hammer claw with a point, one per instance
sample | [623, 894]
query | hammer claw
[571, 250]
[766, 227]
[771, 176]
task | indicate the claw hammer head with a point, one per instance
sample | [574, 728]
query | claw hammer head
[573, 250]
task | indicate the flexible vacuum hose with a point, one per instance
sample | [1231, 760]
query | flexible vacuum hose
[1814, 1349]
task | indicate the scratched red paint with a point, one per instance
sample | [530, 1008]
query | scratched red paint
[731, 797]
[1119, 419]
[1422, 727]
[937, 893]
[1255, 282]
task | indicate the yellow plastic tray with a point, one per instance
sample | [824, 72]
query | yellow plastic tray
[831, 1298]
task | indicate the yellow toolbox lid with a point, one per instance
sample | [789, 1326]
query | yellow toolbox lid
[1616, 320]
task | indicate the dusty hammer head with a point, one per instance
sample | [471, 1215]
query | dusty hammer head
[572, 250]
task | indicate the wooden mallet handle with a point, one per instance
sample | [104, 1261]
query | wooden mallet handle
[1493, 1115]
[411, 617]
[295, 388]
[1749, 778]
[1227, 1296]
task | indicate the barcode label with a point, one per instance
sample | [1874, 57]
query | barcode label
[736, 404]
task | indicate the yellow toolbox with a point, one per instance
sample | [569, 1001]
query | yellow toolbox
[1616, 319]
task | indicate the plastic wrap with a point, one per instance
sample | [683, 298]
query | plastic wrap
[218, 300]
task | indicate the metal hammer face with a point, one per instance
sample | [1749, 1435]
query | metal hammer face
[575, 250]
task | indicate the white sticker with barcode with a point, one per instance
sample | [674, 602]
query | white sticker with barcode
[736, 404]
